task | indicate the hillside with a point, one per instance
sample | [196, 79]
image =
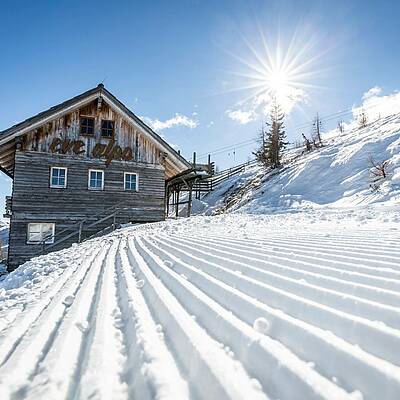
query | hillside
[334, 176]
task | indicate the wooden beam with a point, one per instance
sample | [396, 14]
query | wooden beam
[6, 172]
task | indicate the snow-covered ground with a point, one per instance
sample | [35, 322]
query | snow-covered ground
[286, 287]
[3, 243]
[283, 306]
[334, 176]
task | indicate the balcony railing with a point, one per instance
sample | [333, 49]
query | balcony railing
[8, 207]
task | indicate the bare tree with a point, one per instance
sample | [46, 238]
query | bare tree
[362, 119]
[378, 173]
[340, 126]
[307, 142]
[317, 128]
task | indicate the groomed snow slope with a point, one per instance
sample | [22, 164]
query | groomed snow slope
[289, 306]
[335, 176]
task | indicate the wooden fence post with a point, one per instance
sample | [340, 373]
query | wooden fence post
[114, 220]
[177, 204]
[80, 232]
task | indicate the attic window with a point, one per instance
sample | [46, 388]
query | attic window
[87, 126]
[107, 128]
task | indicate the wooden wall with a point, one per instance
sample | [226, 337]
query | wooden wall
[68, 127]
[34, 201]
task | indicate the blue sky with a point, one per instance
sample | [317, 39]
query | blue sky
[182, 65]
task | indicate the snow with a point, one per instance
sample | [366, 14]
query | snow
[287, 286]
[334, 176]
[287, 305]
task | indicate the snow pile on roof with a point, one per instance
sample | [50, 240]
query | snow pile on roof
[250, 307]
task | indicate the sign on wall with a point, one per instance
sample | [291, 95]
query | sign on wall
[110, 151]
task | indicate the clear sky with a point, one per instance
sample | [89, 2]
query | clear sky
[196, 69]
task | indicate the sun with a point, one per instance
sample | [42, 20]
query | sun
[278, 82]
[275, 72]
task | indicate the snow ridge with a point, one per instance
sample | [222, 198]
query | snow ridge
[224, 308]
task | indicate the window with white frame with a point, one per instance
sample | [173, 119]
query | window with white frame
[131, 181]
[96, 179]
[41, 232]
[58, 177]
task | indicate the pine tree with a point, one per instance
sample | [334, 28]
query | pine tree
[262, 152]
[276, 136]
[273, 142]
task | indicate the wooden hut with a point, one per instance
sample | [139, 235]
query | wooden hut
[79, 168]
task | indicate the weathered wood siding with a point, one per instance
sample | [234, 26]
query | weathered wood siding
[68, 127]
[34, 200]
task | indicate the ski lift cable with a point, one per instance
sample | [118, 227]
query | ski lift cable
[328, 117]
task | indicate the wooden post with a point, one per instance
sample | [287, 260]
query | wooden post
[190, 200]
[177, 203]
[167, 199]
[80, 232]
[114, 220]
[194, 159]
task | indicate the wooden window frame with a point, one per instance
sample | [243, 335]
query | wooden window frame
[137, 181]
[49, 241]
[113, 129]
[80, 125]
[51, 178]
[102, 181]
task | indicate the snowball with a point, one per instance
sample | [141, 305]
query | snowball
[68, 301]
[261, 325]
[140, 283]
[82, 326]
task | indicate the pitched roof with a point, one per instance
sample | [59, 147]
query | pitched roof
[8, 136]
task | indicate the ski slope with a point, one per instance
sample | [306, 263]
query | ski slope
[336, 175]
[286, 306]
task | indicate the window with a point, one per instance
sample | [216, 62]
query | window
[107, 128]
[87, 126]
[58, 177]
[41, 232]
[96, 179]
[131, 181]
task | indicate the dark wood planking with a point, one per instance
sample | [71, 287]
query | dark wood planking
[33, 199]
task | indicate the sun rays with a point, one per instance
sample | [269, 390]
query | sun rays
[275, 69]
